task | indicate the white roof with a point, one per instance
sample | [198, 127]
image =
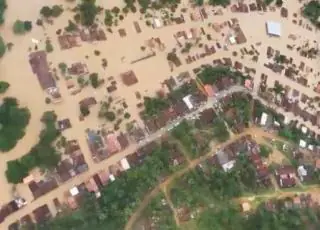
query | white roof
[302, 144]
[188, 102]
[286, 120]
[157, 23]
[304, 129]
[74, 191]
[232, 40]
[111, 177]
[274, 28]
[125, 164]
[311, 147]
[264, 118]
[302, 171]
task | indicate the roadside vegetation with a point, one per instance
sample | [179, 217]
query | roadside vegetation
[42, 155]
[3, 47]
[13, 121]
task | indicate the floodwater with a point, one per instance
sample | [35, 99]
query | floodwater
[119, 52]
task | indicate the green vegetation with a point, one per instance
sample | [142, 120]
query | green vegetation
[13, 121]
[159, 214]
[71, 27]
[110, 116]
[119, 199]
[265, 150]
[4, 86]
[154, 105]
[210, 75]
[94, 80]
[3, 7]
[84, 110]
[49, 46]
[63, 67]
[220, 130]
[88, 12]
[41, 155]
[237, 111]
[312, 12]
[54, 11]
[2, 47]
[20, 27]
[195, 143]
[223, 3]
[108, 18]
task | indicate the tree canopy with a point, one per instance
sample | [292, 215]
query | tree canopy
[3, 7]
[312, 12]
[88, 12]
[4, 86]
[2, 46]
[13, 121]
[42, 155]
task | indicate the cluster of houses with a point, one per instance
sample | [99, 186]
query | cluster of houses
[104, 145]
[68, 41]
[94, 184]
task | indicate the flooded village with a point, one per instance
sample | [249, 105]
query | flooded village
[98, 81]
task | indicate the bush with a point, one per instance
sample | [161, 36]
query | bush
[127, 115]
[265, 151]
[49, 47]
[56, 11]
[27, 25]
[84, 110]
[115, 10]
[2, 47]
[46, 11]
[4, 86]
[3, 6]
[15, 172]
[71, 26]
[63, 67]
[13, 121]
[94, 80]
[110, 116]
[18, 27]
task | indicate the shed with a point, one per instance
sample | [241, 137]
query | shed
[129, 78]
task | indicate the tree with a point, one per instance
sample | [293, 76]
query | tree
[63, 67]
[49, 117]
[198, 2]
[115, 10]
[15, 172]
[265, 150]
[223, 3]
[4, 86]
[88, 12]
[127, 115]
[110, 116]
[49, 47]
[46, 11]
[13, 120]
[279, 3]
[56, 11]
[2, 47]
[312, 11]
[18, 27]
[27, 25]
[3, 7]
[94, 80]
[71, 26]
[108, 18]
[84, 110]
